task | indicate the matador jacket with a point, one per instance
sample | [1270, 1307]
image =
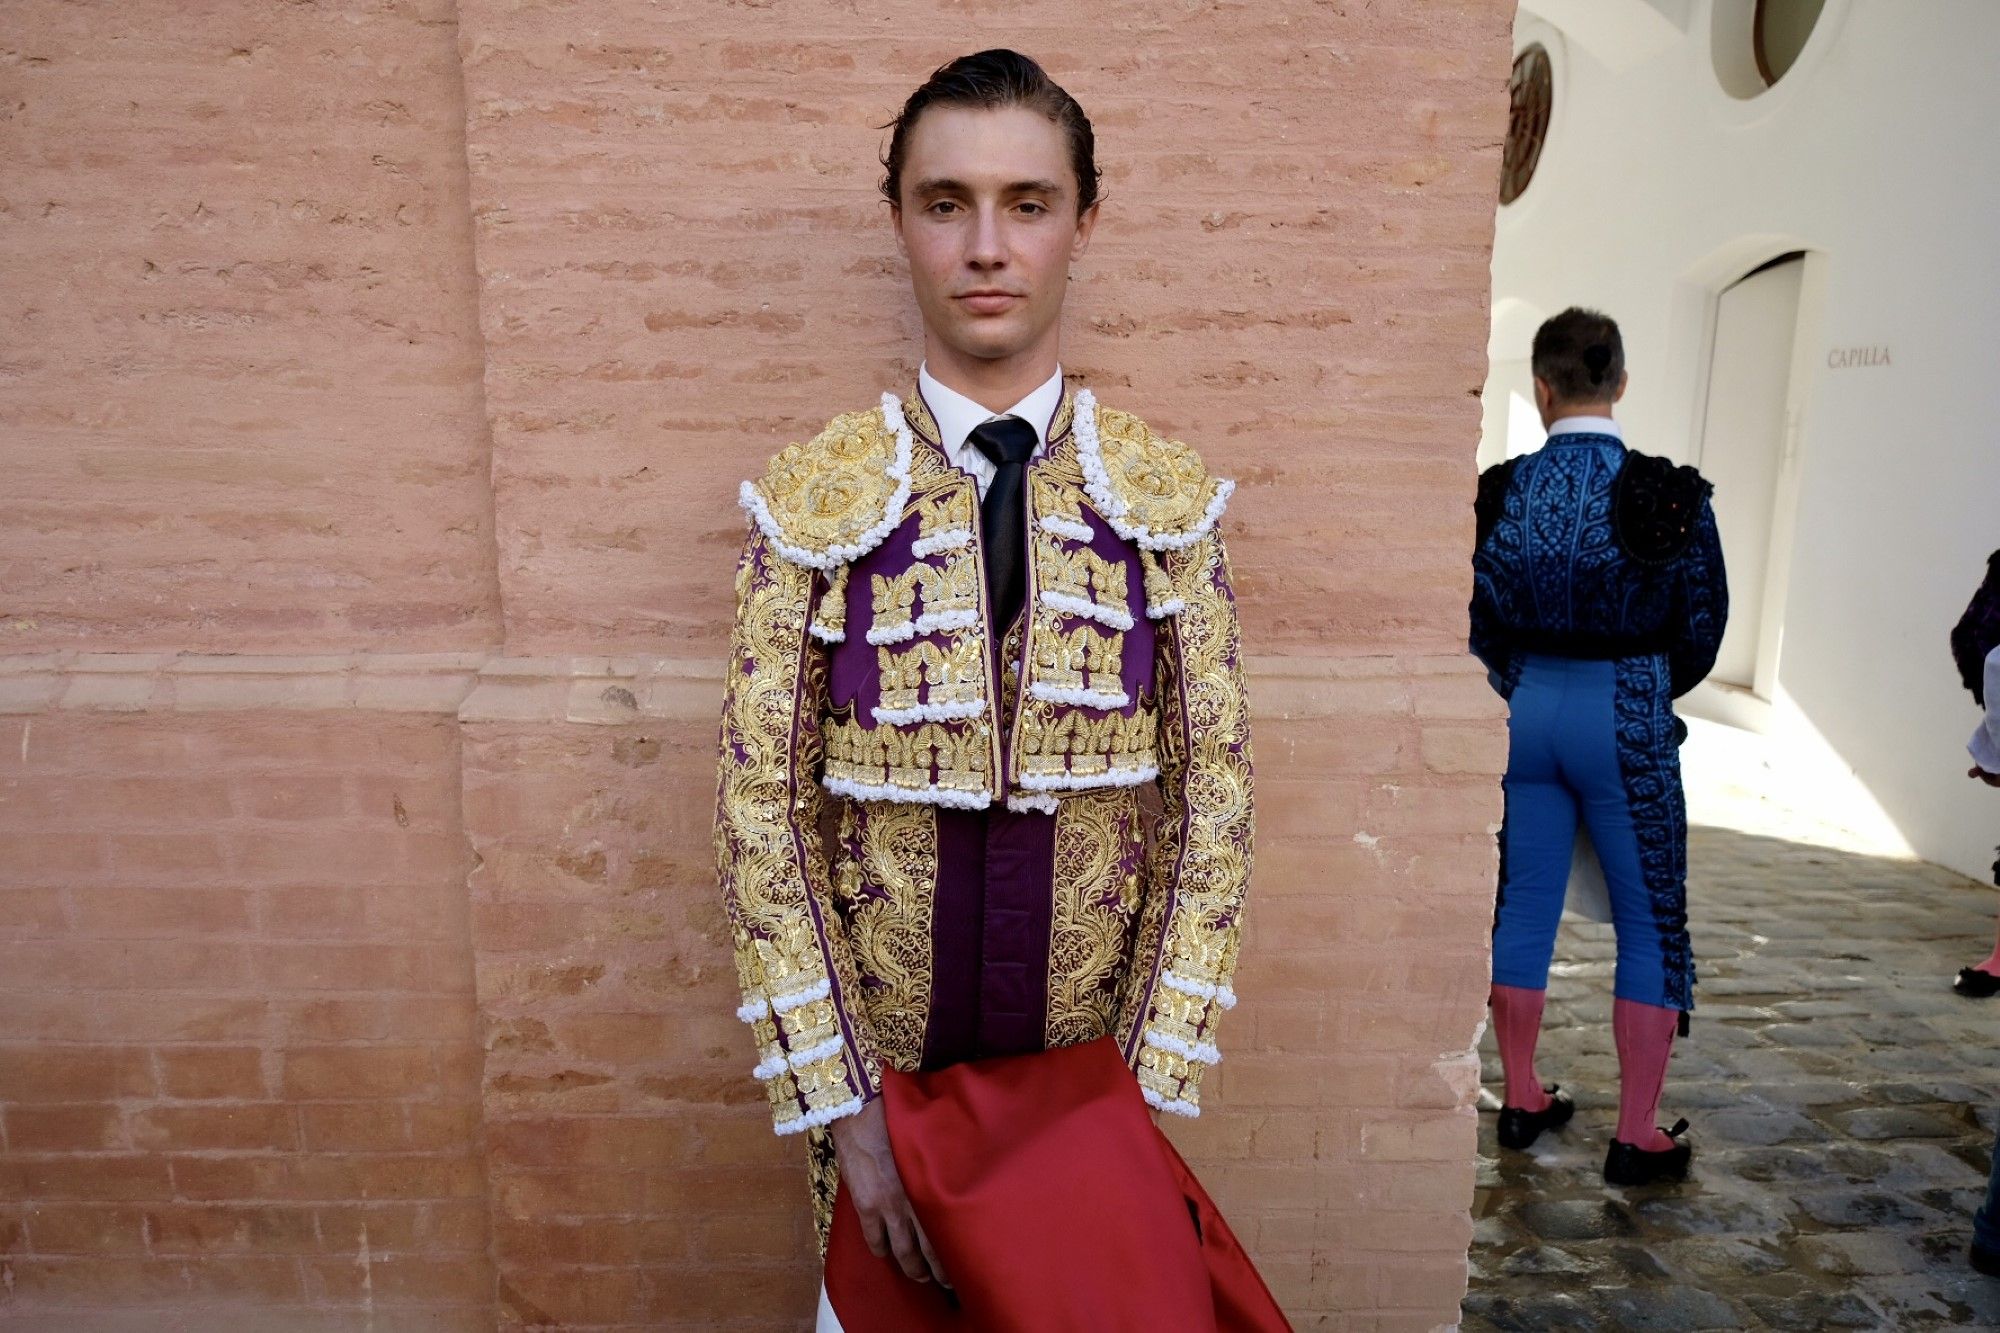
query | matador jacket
[863, 668]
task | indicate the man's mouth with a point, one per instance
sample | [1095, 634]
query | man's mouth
[987, 300]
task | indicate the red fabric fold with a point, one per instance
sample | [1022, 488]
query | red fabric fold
[1054, 1204]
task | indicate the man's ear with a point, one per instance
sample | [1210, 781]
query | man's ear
[1086, 224]
[896, 226]
[1624, 378]
[1544, 395]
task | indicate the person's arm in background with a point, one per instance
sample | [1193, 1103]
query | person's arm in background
[1985, 743]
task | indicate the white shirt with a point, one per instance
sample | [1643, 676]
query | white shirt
[958, 416]
[1587, 426]
[1985, 743]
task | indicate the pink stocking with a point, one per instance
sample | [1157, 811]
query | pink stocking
[1645, 1037]
[1517, 1023]
[1990, 965]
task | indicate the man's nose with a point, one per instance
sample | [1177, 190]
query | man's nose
[989, 240]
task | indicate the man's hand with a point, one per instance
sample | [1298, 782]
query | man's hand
[868, 1170]
[1990, 779]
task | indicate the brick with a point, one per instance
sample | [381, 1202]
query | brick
[68, 1073]
[207, 1073]
[83, 1229]
[160, 910]
[245, 1126]
[89, 1127]
[352, 1073]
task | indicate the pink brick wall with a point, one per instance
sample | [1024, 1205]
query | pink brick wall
[407, 333]
[238, 1058]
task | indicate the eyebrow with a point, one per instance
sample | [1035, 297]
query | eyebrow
[933, 186]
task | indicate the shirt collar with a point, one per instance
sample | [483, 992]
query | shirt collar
[957, 416]
[1587, 426]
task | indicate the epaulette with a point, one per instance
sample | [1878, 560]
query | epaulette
[1489, 505]
[1655, 506]
[838, 496]
[1151, 490]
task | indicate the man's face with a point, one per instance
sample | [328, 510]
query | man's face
[988, 220]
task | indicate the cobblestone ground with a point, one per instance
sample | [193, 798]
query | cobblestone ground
[1843, 1101]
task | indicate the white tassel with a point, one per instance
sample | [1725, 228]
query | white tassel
[1066, 527]
[820, 990]
[811, 1055]
[1117, 777]
[945, 796]
[824, 1116]
[1040, 803]
[1222, 995]
[930, 712]
[1117, 617]
[1200, 1052]
[952, 540]
[750, 1011]
[825, 635]
[1065, 694]
[930, 622]
[770, 1069]
[1171, 1105]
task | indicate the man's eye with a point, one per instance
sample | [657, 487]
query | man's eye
[944, 206]
[1032, 209]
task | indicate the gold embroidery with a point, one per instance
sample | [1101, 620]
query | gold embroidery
[1055, 495]
[951, 755]
[954, 587]
[1084, 658]
[1164, 487]
[835, 489]
[895, 598]
[1204, 845]
[949, 511]
[926, 673]
[775, 879]
[1159, 588]
[1097, 846]
[895, 846]
[1056, 739]
[831, 618]
[1082, 574]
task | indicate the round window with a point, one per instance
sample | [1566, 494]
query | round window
[1531, 98]
[1780, 31]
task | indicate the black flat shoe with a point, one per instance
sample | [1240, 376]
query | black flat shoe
[1985, 1261]
[1626, 1164]
[1976, 985]
[1519, 1128]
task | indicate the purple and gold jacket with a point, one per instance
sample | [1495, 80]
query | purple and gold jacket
[862, 667]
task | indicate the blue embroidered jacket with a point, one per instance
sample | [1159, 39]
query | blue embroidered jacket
[1557, 572]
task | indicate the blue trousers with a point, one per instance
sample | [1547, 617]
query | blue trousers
[1986, 1222]
[1562, 767]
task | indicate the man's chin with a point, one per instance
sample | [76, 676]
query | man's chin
[989, 342]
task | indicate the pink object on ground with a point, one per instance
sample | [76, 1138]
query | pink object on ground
[1517, 1024]
[1645, 1037]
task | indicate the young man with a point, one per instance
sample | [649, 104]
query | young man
[1598, 599]
[1985, 750]
[981, 618]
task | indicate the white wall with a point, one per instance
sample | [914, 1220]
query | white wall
[1876, 154]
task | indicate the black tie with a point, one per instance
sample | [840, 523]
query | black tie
[1008, 444]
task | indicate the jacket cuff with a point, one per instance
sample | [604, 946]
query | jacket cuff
[809, 1070]
[1177, 1043]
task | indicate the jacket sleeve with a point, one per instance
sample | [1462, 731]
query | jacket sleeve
[1702, 604]
[817, 1058]
[1191, 921]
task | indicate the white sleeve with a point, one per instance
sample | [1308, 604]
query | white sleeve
[1985, 742]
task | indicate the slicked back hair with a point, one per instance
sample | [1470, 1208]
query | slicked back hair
[991, 80]
[1580, 356]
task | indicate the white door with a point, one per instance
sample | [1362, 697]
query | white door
[1743, 445]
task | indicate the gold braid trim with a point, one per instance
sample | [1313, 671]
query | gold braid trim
[814, 1048]
[1202, 858]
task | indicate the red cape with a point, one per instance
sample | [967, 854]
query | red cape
[1054, 1204]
